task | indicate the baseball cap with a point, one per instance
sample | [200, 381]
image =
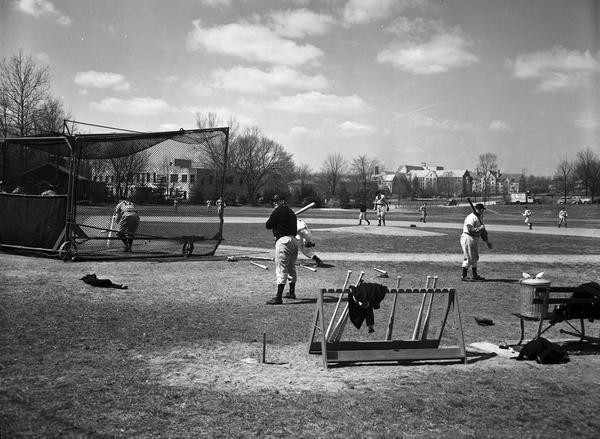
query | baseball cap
[480, 206]
[277, 197]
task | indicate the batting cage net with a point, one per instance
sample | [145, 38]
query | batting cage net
[71, 202]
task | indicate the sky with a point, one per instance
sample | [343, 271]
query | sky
[403, 81]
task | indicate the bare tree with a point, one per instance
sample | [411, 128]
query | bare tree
[587, 169]
[24, 88]
[213, 154]
[50, 116]
[256, 159]
[332, 169]
[487, 164]
[124, 168]
[303, 172]
[363, 169]
[564, 176]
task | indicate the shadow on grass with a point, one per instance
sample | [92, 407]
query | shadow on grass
[508, 281]
[314, 300]
[577, 347]
[398, 363]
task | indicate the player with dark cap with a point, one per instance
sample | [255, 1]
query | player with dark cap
[283, 223]
[469, 241]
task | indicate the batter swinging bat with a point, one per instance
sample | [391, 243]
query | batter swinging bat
[305, 208]
[484, 234]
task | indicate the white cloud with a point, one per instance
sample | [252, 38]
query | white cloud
[134, 106]
[251, 42]
[169, 127]
[589, 120]
[438, 55]
[42, 57]
[171, 79]
[500, 125]
[319, 103]
[42, 9]
[353, 128]
[255, 81]
[556, 68]
[300, 22]
[216, 3]
[365, 11]
[443, 125]
[102, 80]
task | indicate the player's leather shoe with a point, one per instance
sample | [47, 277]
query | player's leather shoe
[478, 278]
[274, 301]
[290, 296]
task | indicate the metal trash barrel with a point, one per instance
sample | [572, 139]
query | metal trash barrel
[534, 289]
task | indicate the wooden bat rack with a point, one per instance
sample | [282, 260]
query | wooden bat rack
[425, 347]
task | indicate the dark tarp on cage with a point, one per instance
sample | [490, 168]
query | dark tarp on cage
[31, 220]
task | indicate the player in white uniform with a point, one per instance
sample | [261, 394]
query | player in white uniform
[127, 220]
[380, 206]
[306, 243]
[527, 214]
[469, 241]
[562, 217]
[423, 210]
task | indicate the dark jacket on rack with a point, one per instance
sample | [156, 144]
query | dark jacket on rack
[362, 300]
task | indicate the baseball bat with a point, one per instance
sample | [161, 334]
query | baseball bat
[264, 267]
[428, 314]
[339, 329]
[390, 328]
[337, 306]
[305, 208]
[258, 258]
[484, 233]
[308, 268]
[420, 315]
[112, 224]
[379, 270]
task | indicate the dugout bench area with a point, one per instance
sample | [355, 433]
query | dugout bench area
[569, 303]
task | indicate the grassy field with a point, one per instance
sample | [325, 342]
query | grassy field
[178, 353]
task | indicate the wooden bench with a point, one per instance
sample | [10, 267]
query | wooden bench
[556, 296]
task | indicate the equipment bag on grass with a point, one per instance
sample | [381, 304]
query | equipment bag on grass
[543, 351]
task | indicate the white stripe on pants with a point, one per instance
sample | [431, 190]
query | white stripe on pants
[286, 254]
[470, 250]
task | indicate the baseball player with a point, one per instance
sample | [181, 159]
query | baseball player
[282, 222]
[562, 217]
[362, 216]
[423, 210]
[380, 206]
[527, 214]
[127, 220]
[469, 241]
[306, 243]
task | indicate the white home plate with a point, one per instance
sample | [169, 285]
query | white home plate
[379, 230]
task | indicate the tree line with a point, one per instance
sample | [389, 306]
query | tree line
[27, 107]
